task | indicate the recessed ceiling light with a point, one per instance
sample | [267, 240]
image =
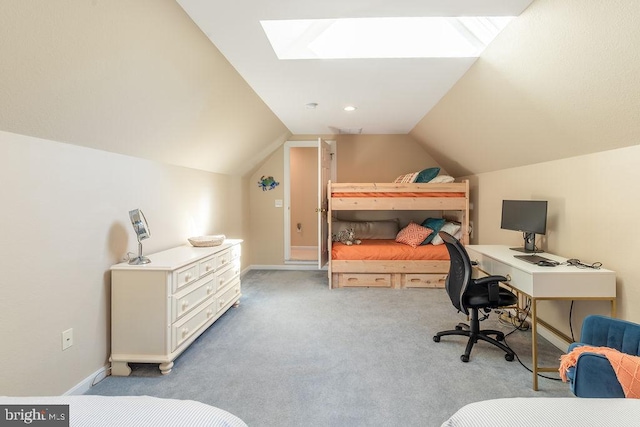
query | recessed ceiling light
[413, 37]
[350, 108]
[312, 105]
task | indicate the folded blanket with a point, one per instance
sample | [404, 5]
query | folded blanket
[626, 367]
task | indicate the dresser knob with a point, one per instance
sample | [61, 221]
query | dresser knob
[187, 277]
[185, 332]
[185, 304]
[209, 289]
[207, 267]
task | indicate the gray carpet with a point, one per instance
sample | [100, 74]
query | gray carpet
[295, 353]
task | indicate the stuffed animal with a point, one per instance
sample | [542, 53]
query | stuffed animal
[348, 237]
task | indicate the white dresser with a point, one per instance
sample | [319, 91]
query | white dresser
[159, 309]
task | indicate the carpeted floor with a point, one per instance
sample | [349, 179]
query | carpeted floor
[295, 353]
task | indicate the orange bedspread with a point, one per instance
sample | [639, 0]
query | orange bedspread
[400, 194]
[387, 250]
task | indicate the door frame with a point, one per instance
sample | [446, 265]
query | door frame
[287, 191]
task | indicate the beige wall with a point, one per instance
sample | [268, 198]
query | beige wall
[592, 213]
[64, 223]
[266, 224]
[379, 158]
[558, 83]
[361, 158]
[134, 78]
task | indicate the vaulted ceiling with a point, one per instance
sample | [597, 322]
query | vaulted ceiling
[391, 95]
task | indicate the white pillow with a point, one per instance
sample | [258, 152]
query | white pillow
[448, 227]
[442, 179]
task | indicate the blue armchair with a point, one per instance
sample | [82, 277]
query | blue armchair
[593, 375]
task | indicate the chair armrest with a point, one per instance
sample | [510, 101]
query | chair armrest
[594, 377]
[493, 285]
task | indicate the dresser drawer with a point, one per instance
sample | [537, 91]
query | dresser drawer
[207, 266]
[229, 295]
[185, 276]
[223, 259]
[369, 279]
[235, 251]
[191, 324]
[226, 275]
[425, 280]
[189, 298]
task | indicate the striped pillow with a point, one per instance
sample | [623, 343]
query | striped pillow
[408, 178]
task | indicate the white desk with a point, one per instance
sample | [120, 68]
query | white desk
[562, 282]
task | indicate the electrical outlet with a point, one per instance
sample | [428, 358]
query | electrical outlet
[67, 338]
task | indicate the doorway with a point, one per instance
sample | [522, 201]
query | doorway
[301, 194]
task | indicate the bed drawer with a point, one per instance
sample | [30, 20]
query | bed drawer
[425, 280]
[371, 279]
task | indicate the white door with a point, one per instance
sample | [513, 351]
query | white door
[324, 174]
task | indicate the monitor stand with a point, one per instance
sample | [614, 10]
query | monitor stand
[529, 244]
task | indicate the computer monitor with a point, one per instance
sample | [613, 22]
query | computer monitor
[527, 216]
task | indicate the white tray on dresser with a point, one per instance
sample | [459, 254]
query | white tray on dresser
[159, 309]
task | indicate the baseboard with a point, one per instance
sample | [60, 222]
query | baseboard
[83, 386]
[286, 267]
[553, 338]
[546, 333]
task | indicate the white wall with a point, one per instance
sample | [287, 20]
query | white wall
[64, 222]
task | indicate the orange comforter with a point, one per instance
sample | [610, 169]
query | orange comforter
[387, 250]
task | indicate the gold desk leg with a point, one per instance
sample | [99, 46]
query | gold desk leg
[534, 342]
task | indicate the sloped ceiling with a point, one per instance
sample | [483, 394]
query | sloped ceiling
[560, 81]
[391, 95]
[131, 77]
[141, 79]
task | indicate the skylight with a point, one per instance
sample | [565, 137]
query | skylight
[425, 37]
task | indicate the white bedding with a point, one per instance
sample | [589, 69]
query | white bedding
[133, 411]
[548, 412]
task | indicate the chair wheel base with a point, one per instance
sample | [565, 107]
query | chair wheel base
[464, 358]
[508, 357]
[436, 338]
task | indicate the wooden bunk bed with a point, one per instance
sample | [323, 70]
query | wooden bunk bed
[451, 199]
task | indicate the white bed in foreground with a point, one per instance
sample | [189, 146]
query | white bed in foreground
[132, 411]
[547, 412]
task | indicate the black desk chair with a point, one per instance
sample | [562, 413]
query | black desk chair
[468, 294]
